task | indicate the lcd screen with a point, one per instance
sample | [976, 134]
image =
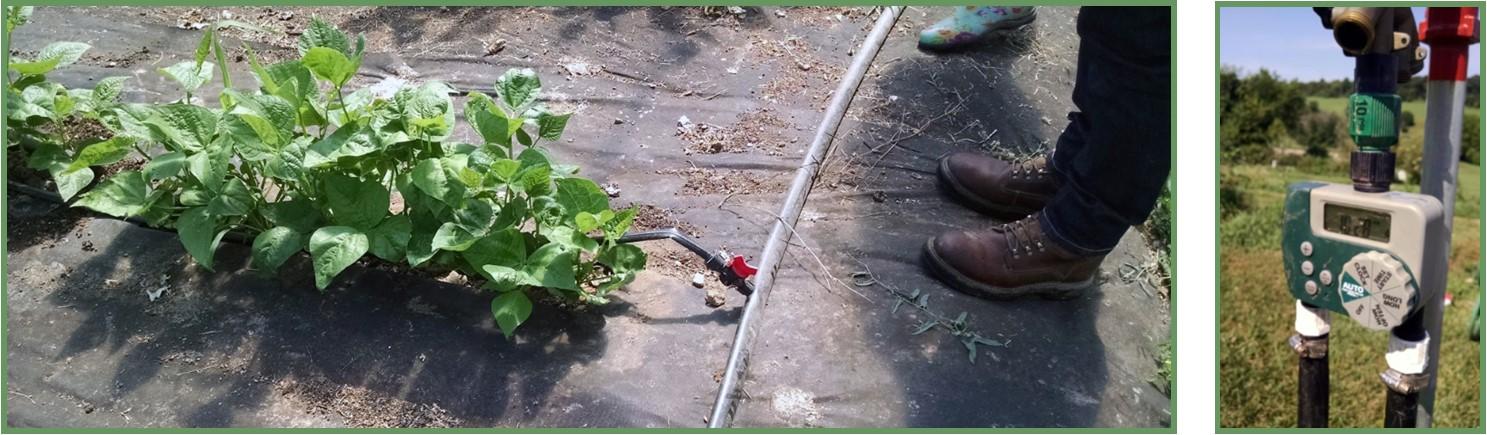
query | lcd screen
[1368, 224]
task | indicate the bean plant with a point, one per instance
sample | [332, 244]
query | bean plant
[303, 163]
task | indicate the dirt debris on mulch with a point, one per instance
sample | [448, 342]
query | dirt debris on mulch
[362, 408]
[705, 181]
[756, 131]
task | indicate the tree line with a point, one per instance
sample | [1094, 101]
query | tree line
[1261, 114]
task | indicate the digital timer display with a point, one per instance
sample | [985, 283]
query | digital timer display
[1368, 224]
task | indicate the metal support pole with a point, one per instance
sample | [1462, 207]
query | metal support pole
[784, 228]
[1449, 31]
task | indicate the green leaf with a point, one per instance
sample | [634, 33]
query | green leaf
[323, 34]
[233, 200]
[926, 326]
[550, 127]
[209, 168]
[53, 56]
[623, 258]
[129, 120]
[428, 109]
[200, 235]
[492, 125]
[421, 244]
[183, 127]
[552, 267]
[389, 239]
[513, 214]
[355, 203]
[107, 92]
[504, 169]
[54, 160]
[103, 153]
[123, 195]
[47, 155]
[330, 65]
[350, 140]
[333, 249]
[270, 118]
[165, 165]
[586, 222]
[289, 80]
[273, 247]
[453, 237]
[518, 88]
[204, 47]
[580, 195]
[621, 222]
[300, 215]
[438, 178]
[194, 195]
[570, 238]
[523, 138]
[503, 248]
[69, 183]
[476, 215]
[510, 310]
[189, 75]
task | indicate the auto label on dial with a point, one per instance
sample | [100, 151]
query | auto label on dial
[1376, 290]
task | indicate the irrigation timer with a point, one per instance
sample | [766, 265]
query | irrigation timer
[1361, 253]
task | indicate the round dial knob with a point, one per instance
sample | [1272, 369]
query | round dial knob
[1377, 290]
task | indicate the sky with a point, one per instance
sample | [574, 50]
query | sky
[1290, 42]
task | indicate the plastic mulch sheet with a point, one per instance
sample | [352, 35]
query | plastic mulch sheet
[699, 116]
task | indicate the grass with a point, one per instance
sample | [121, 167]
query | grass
[1256, 368]
[1340, 105]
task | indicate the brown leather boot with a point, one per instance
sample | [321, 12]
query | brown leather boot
[997, 187]
[1011, 260]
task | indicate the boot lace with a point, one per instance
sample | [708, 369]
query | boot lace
[1022, 238]
[1034, 169]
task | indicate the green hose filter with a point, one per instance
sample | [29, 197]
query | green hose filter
[1373, 121]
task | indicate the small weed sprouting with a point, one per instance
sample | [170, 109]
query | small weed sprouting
[301, 164]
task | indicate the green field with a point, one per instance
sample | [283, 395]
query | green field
[1340, 105]
[1258, 370]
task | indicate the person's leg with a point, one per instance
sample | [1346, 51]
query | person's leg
[1110, 164]
[969, 24]
[1124, 94]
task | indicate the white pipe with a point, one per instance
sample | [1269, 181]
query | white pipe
[784, 228]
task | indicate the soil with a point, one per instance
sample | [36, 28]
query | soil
[362, 408]
[757, 131]
[26, 229]
[649, 217]
[704, 181]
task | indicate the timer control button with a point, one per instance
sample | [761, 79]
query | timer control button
[1306, 268]
[1306, 248]
[1311, 287]
[1326, 277]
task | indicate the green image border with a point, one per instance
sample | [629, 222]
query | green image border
[1171, 428]
[1217, 239]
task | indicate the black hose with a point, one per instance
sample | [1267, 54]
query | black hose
[1312, 391]
[1400, 409]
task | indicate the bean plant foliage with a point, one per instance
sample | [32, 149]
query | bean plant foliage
[303, 164]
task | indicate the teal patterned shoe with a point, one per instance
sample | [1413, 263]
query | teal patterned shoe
[970, 24]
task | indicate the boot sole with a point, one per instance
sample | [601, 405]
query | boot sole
[969, 199]
[1047, 290]
[1001, 26]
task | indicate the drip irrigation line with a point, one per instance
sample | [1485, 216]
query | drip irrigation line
[779, 238]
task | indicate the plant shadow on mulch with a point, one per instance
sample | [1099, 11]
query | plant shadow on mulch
[388, 334]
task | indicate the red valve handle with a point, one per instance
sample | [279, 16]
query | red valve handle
[741, 267]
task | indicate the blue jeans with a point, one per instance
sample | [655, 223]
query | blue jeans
[1115, 154]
